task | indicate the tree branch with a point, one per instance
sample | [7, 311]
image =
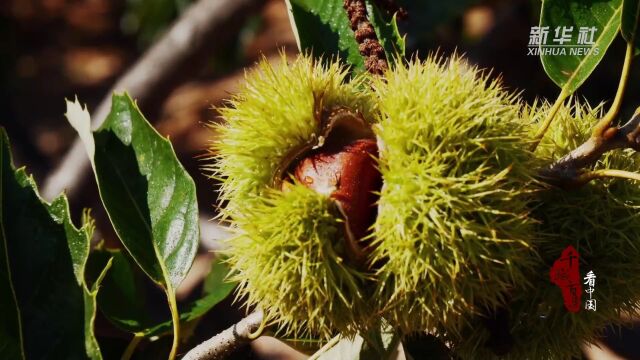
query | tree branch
[223, 344]
[170, 57]
[569, 171]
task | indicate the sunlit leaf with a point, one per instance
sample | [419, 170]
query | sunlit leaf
[569, 71]
[149, 196]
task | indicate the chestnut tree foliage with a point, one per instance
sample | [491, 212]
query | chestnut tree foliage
[377, 201]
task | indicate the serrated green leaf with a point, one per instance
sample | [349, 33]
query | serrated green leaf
[571, 70]
[629, 22]
[149, 196]
[123, 300]
[387, 31]
[47, 311]
[322, 28]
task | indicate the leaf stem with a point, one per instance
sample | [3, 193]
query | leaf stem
[606, 121]
[131, 348]
[325, 348]
[549, 119]
[175, 319]
[609, 173]
[256, 334]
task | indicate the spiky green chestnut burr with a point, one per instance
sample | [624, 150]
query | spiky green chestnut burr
[293, 253]
[600, 220]
[453, 233]
[290, 258]
[277, 113]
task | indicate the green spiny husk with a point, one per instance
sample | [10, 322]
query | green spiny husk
[290, 260]
[288, 254]
[601, 220]
[272, 115]
[453, 230]
[463, 226]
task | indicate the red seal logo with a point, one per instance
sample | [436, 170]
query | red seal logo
[565, 273]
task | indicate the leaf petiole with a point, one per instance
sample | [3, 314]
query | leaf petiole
[175, 319]
[608, 173]
[549, 119]
[325, 348]
[606, 121]
[131, 348]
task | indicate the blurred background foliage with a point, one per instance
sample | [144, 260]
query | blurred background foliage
[56, 49]
[146, 19]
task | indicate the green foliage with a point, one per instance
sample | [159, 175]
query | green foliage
[323, 29]
[124, 302]
[149, 196]
[271, 118]
[149, 18]
[570, 71]
[48, 309]
[387, 31]
[452, 233]
[289, 259]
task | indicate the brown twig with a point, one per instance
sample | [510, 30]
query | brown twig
[374, 58]
[151, 76]
[226, 342]
[570, 171]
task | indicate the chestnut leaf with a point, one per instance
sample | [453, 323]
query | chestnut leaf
[47, 310]
[323, 29]
[149, 196]
[571, 69]
[125, 300]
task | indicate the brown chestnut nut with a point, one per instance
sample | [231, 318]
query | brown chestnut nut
[348, 174]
